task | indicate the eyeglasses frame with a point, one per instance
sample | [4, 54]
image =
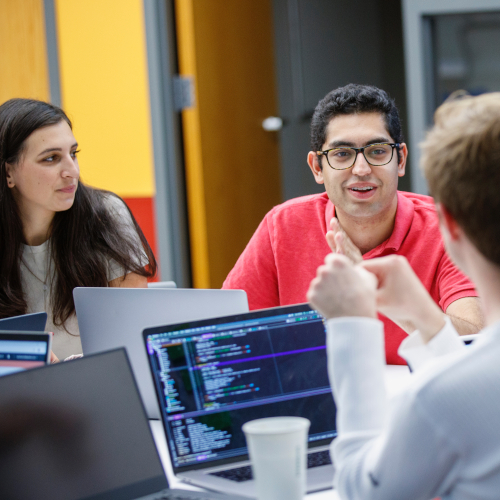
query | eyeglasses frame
[360, 150]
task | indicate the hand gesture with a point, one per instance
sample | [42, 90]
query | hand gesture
[343, 289]
[402, 297]
[340, 243]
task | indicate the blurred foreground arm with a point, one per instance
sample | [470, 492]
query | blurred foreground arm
[343, 289]
[402, 298]
[377, 457]
[465, 313]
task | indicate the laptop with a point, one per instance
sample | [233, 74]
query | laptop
[214, 375]
[21, 351]
[34, 322]
[78, 430]
[115, 317]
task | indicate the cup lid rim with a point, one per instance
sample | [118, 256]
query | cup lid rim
[258, 426]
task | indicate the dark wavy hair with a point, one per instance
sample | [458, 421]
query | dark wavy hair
[354, 98]
[82, 238]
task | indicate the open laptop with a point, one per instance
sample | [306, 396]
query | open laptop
[78, 430]
[212, 376]
[115, 317]
[21, 351]
[34, 322]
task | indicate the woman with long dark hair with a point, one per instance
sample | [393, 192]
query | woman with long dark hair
[56, 233]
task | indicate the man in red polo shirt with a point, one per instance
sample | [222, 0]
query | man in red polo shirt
[358, 153]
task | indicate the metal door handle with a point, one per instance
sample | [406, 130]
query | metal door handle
[272, 124]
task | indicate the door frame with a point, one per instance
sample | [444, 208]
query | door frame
[170, 197]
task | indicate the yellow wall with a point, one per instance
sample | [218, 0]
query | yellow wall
[23, 56]
[104, 88]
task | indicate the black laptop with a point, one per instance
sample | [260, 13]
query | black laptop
[78, 430]
[34, 322]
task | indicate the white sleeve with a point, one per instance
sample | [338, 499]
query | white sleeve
[120, 213]
[378, 454]
[417, 353]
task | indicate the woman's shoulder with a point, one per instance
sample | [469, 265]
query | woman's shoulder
[113, 202]
[115, 207]
[109, 207]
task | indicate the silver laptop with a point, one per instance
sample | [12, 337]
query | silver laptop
[212, 376]
[78, 430]
[115, 317]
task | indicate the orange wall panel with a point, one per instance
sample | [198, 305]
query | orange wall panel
[23, 51]
[143, 210]
[144, 213]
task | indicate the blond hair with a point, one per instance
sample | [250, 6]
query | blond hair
[461, 161]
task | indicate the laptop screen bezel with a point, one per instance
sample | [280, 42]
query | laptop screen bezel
[297, 308]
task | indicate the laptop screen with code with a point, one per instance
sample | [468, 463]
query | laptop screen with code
[212, 376]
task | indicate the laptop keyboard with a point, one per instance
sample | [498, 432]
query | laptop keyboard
[241, 474]
[318, 458]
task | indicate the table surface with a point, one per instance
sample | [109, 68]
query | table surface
[397, 377]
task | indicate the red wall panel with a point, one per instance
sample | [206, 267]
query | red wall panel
[143, 210]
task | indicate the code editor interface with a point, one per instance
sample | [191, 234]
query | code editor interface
[216, 377]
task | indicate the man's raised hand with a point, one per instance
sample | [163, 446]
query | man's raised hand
[343, 289]
[340, 243]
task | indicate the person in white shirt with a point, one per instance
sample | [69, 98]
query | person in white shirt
[441, 437]
[57, 233]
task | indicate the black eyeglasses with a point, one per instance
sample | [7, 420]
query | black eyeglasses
[344, 158]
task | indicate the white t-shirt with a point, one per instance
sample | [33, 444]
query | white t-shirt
[38, 276]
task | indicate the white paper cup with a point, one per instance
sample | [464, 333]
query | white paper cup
[278, 452]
